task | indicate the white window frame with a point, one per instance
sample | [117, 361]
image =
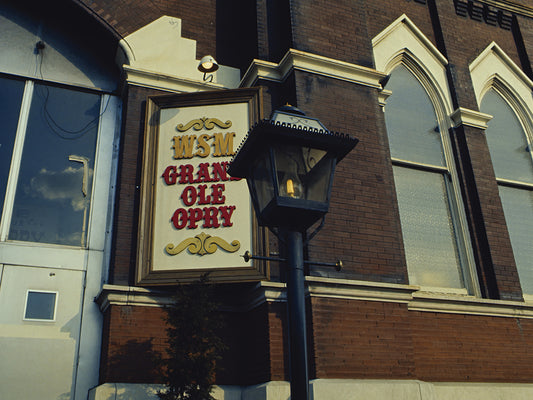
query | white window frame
[402, 43]
[56, 255]
[56, 301]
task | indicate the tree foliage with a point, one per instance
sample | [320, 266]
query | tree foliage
[194, 321]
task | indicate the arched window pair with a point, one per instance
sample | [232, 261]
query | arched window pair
[417, 116]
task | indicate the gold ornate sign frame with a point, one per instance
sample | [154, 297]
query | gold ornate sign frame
[206, 243]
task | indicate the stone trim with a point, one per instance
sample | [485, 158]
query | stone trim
[159, 81]
[511, 6]
[130, 296]
[469, 305]
[359, 290]
[405, 22]
[476, 119]
[297, 60]
[172, 64]
[415, 297]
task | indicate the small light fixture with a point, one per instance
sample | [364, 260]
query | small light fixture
[208, 65]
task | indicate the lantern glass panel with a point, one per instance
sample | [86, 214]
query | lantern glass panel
[302, 172]
[261, 180]
[319, 179]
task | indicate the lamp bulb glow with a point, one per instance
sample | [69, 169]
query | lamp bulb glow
[292, 187]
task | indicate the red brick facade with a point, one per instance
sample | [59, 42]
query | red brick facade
[348, 338]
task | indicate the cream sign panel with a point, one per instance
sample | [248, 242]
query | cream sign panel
[195, 218]
[202, 216]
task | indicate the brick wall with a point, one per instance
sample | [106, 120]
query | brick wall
[363, 227]
[133, 345]
[348, 339]
[135, 342]
[373, 340]
[198, 19]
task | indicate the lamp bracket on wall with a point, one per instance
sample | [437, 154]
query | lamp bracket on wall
[249, 256]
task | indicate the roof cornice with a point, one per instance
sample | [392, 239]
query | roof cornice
[510, 6]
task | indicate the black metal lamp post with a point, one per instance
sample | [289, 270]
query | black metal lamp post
[289, 162]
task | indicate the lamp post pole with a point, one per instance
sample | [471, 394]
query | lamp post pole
[297, 317]
[289, 162]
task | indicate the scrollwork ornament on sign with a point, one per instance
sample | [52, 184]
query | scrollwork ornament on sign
[200, 123]
[203, 244]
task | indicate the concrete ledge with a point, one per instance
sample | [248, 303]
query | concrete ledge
[338, 389]
[370, 389]
[142, 391]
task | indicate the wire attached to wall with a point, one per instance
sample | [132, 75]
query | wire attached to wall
[62, 132]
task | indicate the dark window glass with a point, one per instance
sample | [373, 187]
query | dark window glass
[411, 121]
[518, 210]
[54, 185]
[511, 160]
[11, 92]
[510, 153]
[40, 305]
[427, 228]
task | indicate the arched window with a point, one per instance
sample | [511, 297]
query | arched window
[418, 117]
[510, 152]
[426, 198]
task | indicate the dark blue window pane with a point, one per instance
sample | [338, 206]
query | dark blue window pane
[11, 92]
[54, 187]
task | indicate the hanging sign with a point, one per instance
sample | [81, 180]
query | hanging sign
[194, 217]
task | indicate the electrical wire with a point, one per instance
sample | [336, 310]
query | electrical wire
[54, 126]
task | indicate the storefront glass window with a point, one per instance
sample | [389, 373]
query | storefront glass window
[54, 184]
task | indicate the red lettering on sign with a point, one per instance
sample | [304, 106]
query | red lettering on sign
[170, 175]
[202, 199]
[189, 196]
[216, 191]
[226, 213]
[210, 215]
[179, 219]
[204, 172]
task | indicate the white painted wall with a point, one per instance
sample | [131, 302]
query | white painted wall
[57, 360]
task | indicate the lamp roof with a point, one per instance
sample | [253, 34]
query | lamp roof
[265, 133]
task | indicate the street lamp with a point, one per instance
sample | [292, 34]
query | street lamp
[289, 162]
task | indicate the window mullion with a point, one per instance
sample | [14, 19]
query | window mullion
[514, 184]
[16, 160]
[420, 166]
